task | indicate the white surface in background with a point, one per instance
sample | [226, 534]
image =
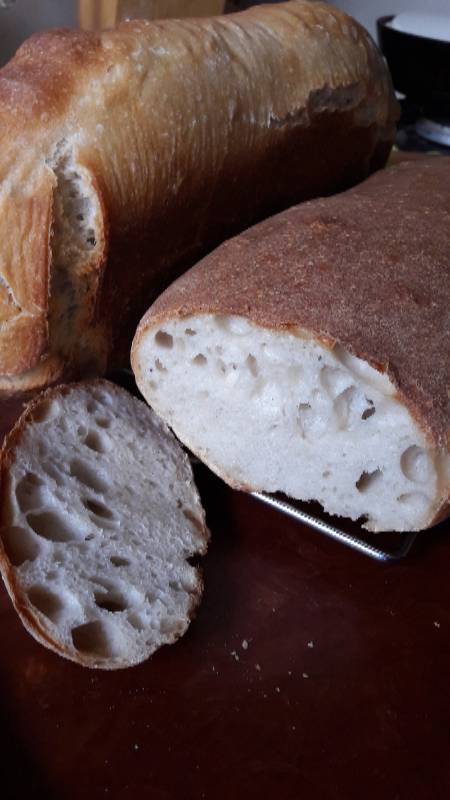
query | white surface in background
[368, 11]
[430, 26]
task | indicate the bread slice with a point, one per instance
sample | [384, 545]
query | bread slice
[311, 354]
[160, 140]
[99, 518]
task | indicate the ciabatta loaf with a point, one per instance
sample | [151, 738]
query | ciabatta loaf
[125, 155]
[311, 354]
[99, 518]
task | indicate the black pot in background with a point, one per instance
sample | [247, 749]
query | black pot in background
[420, 67]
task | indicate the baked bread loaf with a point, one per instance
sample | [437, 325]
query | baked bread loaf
[126, 155]
[99, 518]
[311, 354]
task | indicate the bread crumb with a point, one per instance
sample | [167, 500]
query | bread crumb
[235, 655]
[311, 644]
[136, 747]
[293, 728]
[436, 624]
[244, 644]
[277, 689]
[289, 672]
[305, 675]
[258, 667]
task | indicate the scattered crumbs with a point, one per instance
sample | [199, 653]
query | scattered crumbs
[235, 655]
[258, 667]
[436, 624]
[244, 644]
[305, 675]
[136, 747]
[311, 644]
[277, 689]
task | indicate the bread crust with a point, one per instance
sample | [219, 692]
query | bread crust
[368, 270]
[30, 619]
[187, 138]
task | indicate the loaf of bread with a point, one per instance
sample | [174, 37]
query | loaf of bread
[126, 155]
[311, 354]
[99, 516]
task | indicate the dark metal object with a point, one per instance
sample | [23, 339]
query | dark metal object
[420, 67]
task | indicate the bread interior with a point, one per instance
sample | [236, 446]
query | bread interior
[281, 411]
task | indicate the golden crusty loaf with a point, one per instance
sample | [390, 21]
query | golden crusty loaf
[99, 518]
[311, 354]
[127, 154]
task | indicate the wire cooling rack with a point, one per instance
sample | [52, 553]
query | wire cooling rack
[394, 546]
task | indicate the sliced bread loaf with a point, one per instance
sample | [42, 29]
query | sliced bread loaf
[99, 518]
[311, 354]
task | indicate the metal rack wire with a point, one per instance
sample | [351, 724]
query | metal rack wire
[350, 540]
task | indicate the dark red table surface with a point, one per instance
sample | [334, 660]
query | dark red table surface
[310, 671]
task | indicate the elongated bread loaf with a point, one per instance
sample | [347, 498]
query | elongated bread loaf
[311, 354]
[127, 154]
[99, 516]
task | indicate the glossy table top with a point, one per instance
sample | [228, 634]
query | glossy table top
[310, 671]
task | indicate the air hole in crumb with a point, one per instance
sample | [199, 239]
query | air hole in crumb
[159, 365]
[95, 638]
[45, 411]
[367, 480]
[89, 537]
[102, 422]
[86, 475]
[326, 474]
[102, 397]
[415, 464]
[19, 545]
[136, 622]
[112, 604]
[53, 526]
[252, 365]
[200, 360]
[190, 332]
[97, 508]
[163, 339]
[370, 411]
[30, 492]
[413, 498]
[45, 601]
[97, 442]
[81, 431]
[118, 561]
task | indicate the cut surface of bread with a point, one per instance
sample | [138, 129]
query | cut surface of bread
[277, 411]
[100, 516]
[311, 354]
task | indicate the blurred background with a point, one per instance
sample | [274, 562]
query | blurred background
[21, 18]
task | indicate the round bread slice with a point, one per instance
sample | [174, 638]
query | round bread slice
[311, 354]
[99, 518]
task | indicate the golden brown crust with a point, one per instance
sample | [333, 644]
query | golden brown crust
[369, 269]
[187, 137]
